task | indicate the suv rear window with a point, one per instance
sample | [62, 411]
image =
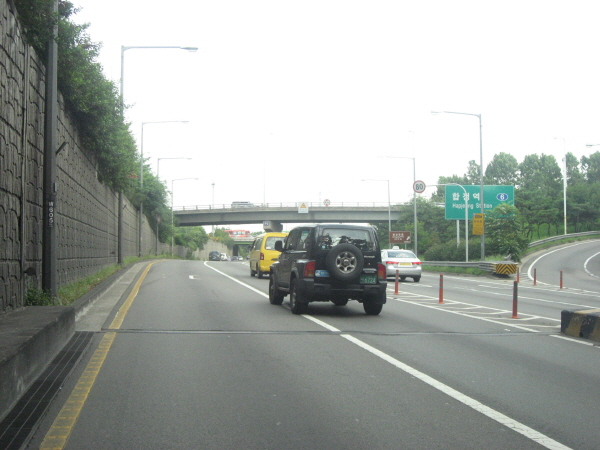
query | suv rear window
[334, 236]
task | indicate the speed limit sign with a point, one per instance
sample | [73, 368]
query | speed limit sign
[419, 187]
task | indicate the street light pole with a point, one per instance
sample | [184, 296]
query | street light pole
[480, 170]
[414, 200]
[49, 232]
[158, 177]
[121, 200]
[125, 48]
[564, 184]
[466, 216]
[213, 204]
[389, 205]
[141, 221]
[172, 211]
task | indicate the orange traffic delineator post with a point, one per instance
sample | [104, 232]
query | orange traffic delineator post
[561, 280]
[397, 275]
[441, 289]
[534, 277]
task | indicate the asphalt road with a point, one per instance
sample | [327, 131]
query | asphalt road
[199, 359]
[579, 263]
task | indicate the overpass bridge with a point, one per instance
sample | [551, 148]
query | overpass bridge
[273, 215]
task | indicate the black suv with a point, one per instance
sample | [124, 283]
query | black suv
[329, 262]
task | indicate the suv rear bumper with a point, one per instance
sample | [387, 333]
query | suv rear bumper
[324, 291]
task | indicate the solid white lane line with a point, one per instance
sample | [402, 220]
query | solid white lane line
[585, 264]
[321, 323]
[526, 431]
[575, 341]
[236, 280]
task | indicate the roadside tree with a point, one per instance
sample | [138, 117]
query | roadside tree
[504, 235]
[502, 170]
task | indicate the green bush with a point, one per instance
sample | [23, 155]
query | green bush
[96, 106]
[38, 297]
[449, 251]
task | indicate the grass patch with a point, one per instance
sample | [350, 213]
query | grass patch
[69, 293]
[38, 297]
[447, 269]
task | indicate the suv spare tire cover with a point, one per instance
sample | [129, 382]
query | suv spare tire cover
[344, 262]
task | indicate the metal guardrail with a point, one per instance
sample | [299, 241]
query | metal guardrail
[562, 236]
[489, 266]
[283, 205]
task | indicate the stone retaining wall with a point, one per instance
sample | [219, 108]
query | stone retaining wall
[86, 210]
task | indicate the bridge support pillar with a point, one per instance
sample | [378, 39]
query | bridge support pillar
[272, 226]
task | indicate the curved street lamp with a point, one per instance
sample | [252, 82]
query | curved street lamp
[564, 183]
[480, 169]
[466, 198]
[389, 205]
[172, 213]
[142, 176]
[125, 48]
[121, 200]
[414, 199]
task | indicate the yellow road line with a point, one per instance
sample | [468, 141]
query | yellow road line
[56, 438]
[59, 432]
[118, 320]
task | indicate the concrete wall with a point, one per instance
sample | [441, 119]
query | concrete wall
[86, 210]
[209, 247]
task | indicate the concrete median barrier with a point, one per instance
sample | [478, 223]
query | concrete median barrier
[29, 340]
[583, 323]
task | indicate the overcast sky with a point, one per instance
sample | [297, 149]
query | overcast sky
[292, 101]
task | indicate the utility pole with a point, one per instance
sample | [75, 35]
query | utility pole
[49, 253]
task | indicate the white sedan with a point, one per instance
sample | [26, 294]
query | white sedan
[404, 261]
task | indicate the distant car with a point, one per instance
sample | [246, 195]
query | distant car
[214, 256]
[404, 261]
[224, 257]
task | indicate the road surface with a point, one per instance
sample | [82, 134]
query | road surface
[198, 358]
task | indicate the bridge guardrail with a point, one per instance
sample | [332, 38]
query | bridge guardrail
[284, 205]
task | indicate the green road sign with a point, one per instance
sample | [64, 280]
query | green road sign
[492, 195]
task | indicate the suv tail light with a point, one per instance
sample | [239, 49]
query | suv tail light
[381, 272]
[309, 269]
[262, 256]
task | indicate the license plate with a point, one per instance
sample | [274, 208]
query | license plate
[321, 273]
[368, 278]
[406, 264]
